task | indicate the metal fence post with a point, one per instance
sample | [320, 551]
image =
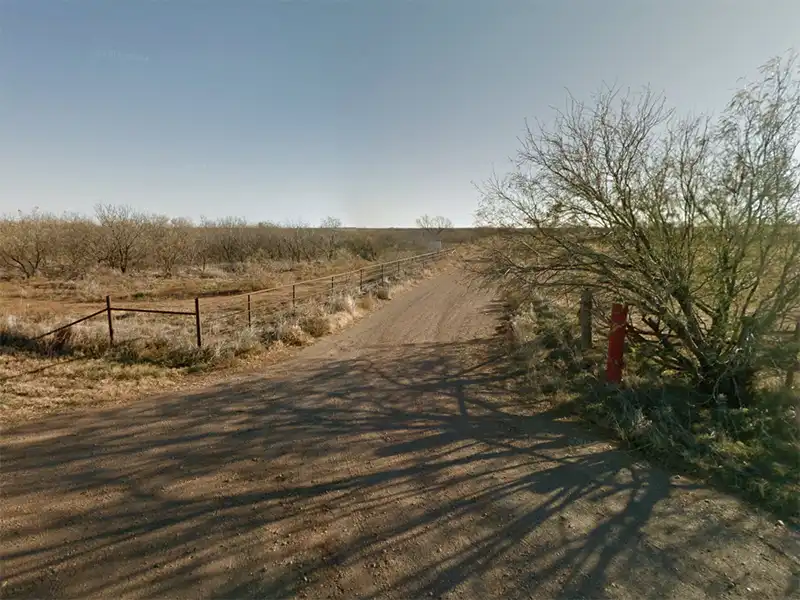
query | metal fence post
[294, 294]
[616, 343]
[794, 367]
[361, 280]
[586, 319]
[197, 322]
[249, 315]
[110, 322]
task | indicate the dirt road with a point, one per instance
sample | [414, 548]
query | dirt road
[390, 461]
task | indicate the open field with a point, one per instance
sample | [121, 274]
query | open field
[155, 351]
[397, 459]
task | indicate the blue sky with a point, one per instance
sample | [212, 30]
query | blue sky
[373, 111]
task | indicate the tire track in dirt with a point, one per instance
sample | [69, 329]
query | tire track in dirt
[390, 461]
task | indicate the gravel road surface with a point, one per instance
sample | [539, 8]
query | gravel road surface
[392, 460]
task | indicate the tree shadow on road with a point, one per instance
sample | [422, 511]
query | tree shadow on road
[405, 472]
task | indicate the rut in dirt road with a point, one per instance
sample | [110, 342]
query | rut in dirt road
[390, 461]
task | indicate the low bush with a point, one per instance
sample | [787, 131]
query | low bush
[366, 302]
[316, 325]
[753, 450]
[383, 292]
[342, 303]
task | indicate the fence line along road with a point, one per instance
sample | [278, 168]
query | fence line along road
[265, 300]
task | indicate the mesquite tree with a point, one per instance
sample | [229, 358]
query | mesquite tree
[694, 222]
[434, 225]
[25, 242]
[123, 236]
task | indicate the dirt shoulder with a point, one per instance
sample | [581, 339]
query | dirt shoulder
[157, 356]
[392, 460]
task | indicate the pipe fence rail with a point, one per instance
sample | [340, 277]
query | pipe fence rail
[229, 313]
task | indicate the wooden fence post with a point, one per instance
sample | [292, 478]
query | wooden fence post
[249, 314]
[586, 319]
[616, 343]
[795, 366]
[197, 322]
[331, 287]
[361, 280]
[294, 295]
[110, 322]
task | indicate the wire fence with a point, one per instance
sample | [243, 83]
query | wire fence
[227, 314]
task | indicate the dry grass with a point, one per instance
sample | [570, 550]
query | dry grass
[366, 302]
[153, 353]
[316, 325]
[753, 451]
[384, 292]
[343, 303]
[187, 284]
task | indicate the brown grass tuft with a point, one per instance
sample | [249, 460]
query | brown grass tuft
[317, 325]
[366, 302]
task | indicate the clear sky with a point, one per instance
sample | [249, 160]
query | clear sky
[373, 111]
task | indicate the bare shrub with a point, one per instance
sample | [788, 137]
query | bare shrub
[316, 324]
[26, 242]
[231, 242]
[366, 302]
[75, 240]
[343, 303]
[170, 241]
[695, 224]
[286, 329]
[434, 226]
[293, 335]
[121, 242]
[299, 241]
[330, 227]
[363, 246]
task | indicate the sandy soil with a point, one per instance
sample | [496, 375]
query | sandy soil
[390, 461]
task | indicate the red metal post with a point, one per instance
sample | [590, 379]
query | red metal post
[616, 343]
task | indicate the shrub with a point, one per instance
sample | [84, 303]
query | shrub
[753, 450]
[366, 302]
[343, 303]
[694, 224]
[291, 334]
[316, 325]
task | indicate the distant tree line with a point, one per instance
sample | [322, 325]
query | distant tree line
[125, 239]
